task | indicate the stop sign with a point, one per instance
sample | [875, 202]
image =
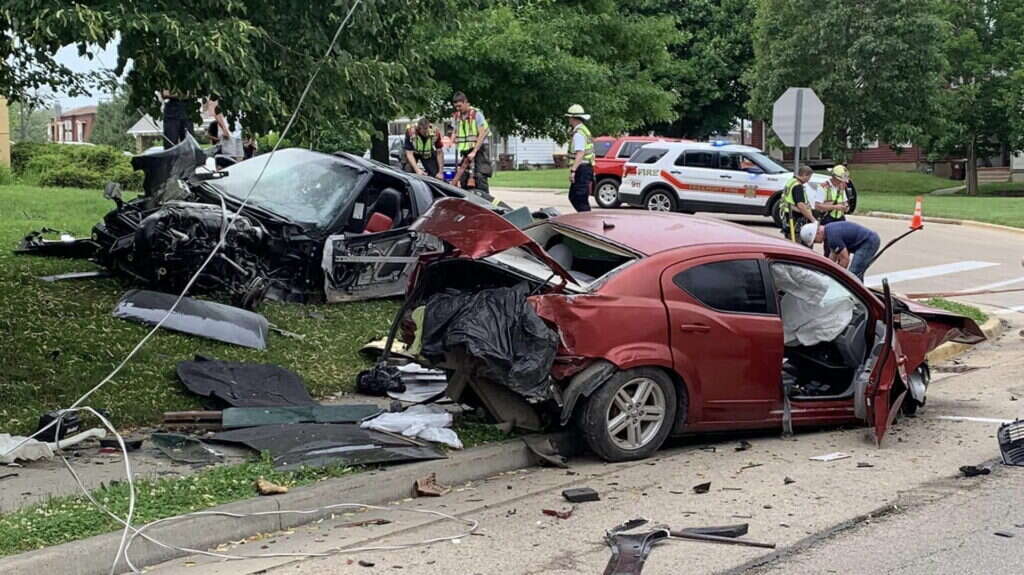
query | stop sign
[798, 117]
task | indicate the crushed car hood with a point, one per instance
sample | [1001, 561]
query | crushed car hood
[478, 232]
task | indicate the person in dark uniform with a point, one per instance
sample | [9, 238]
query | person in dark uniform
[423, 145]
[177, 118]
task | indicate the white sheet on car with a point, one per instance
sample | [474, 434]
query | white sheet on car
[815, 308]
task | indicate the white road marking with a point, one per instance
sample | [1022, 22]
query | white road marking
[926, 272]
[1014, 309]
[975, 419]
[996, 285]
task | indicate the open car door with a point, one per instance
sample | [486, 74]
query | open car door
[891, 363]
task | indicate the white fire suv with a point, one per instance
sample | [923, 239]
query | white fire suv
[705, 177]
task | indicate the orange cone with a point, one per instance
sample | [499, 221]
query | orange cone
[915, 222]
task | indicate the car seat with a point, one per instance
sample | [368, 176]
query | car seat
[385, 212]
[562, 254]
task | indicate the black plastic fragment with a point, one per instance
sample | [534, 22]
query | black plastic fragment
[975, 470]
[240, 384]
[580, 495]
[196, 317]
[702, 487]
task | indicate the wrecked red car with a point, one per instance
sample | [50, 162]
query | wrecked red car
[641, 326]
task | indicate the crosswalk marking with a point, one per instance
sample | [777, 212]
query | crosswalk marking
[926, 272]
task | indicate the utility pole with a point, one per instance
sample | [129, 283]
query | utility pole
[5, 134]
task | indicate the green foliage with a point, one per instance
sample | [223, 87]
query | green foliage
[28, 123]
[113, 119]
[960, 308]
[876, 65]
[6, 177]
[74, 166]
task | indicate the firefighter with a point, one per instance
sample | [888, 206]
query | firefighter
[581, 154]
[835, 206]
[469, 133]
[423, 143]
[794, 207]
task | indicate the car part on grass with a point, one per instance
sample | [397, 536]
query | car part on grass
[235, 417]
[195, 317]
[193, 419]
[427, 486]
[426, 422]
[293, 446]
[630, 550]
[1011, 442]
[264, 487]
[498, 329]
[379, 380]
[184, 448]
[241, 384]
[66, 246]
[580, 495]
[14, 447]
[76, 276]
[70, 423]
[375, 349]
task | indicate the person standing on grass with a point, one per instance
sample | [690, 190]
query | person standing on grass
[848, 244]
[581, 153]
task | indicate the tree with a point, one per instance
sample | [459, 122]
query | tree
[29, 116]
[113, 120]
[712, 50]
[981, 112]
[525, 62]
[876, 65]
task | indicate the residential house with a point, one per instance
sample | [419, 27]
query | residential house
[149, 132]
[74, 125]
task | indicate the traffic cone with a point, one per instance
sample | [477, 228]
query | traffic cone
[915, 222]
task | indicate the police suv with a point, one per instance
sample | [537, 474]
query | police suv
[706, 177]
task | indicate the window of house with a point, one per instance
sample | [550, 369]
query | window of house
[733, 286]
[695, 159]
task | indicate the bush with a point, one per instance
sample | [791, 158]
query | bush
[74, 166]
[5, 176]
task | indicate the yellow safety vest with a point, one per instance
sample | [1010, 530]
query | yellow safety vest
[466, 130]
[423, 148]
[836, 196]
[787, 195]
[588, 145]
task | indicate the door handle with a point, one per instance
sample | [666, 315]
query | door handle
[725, 176]
[694, 328]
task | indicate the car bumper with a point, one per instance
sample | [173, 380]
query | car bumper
[630, 197]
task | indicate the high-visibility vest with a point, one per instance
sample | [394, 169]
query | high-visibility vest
[787, 195]
[835, 195]
[588, 144]
[423, 148]
[466, 130]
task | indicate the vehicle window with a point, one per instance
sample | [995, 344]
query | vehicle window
[647, 155]
[629, 148]
[733, 286]
[698, 160]
[601, 148]
[735, 161]
[765, 163]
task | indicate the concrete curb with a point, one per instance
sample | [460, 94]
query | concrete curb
[951, 221]
[94, 555]
[992, 328]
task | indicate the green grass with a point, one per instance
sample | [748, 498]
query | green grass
[546, 178]
[62, 519]
[1001, 189]
[960, 308]
[870, 181]
[996, 210]
[59, 339]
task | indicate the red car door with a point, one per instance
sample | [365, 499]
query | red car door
[881, 408]
[726, 338]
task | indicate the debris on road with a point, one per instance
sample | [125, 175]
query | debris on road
[834, 456]
[547, 451]
[1006, 534]
[1011, 442]
[265, 487]
[630, 550]
[744, 445]
[863, 464]
[184, 449]
[974, 470]
[580, 495]
[8, 476]
[243, 384]
[234, 417]
[427, 486]
[207, 319]
[565, 514]
[15, 448]
[702, 487]
[364, 563]
[130, 444]
[788, 480]
[427, 422]
[728, 534]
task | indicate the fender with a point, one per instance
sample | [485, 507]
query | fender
[584, 383]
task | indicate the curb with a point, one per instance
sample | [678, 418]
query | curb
[992, 329]
[951, 221]
[94, 555]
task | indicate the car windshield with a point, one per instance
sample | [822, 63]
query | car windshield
[765, 163]
[307, 187]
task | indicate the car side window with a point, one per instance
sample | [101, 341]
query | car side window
[601, 148]
[647, 155]
[629, 148]
[699, 160]
[732, 285]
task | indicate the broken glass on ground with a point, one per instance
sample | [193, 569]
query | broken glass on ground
[195, 317]
[242, 384]
[184, 448]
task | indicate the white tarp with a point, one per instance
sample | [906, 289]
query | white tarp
[427, 422]
[815, 308]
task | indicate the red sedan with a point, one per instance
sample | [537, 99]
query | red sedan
[646, 325]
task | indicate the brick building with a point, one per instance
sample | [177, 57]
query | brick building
[74, 125]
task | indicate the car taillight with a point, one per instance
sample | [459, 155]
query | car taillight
[629, 171]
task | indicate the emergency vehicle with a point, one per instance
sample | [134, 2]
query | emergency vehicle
[706, 177]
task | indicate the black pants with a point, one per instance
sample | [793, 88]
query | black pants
[175, 130]
[482, 169]
[579, 190]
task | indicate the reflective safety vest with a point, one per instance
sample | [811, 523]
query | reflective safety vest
[588, 144]
[423, 148]
[466, 130]
[834, 195]
[787, 195]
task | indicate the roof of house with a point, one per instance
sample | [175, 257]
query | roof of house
[147, 126]
[80, 111]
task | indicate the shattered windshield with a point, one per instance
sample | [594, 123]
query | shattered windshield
[304, 186]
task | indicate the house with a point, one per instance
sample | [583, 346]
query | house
[148, 132]
[74, 125]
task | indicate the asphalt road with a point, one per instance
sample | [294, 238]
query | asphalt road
[917, 467]
[939, 258]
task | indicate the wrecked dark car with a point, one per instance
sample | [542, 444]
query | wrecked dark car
[317, 227]
[640, 326]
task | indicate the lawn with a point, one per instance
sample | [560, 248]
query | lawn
[59, 339]
[547, 178]
[1006, 211]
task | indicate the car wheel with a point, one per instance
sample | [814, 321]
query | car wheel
[660, 200]
[773, 211]
[606, 193]
[630, 415]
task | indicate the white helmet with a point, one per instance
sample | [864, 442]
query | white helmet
[808, 232]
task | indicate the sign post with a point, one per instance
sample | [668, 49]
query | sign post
[798, 117]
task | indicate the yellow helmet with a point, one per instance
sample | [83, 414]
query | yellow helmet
[840, 173]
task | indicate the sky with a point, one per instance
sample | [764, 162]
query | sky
[68, 56]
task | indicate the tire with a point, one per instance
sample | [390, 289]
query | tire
[622, 402]
[606, 193]
[773, 211]
[662, 199]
